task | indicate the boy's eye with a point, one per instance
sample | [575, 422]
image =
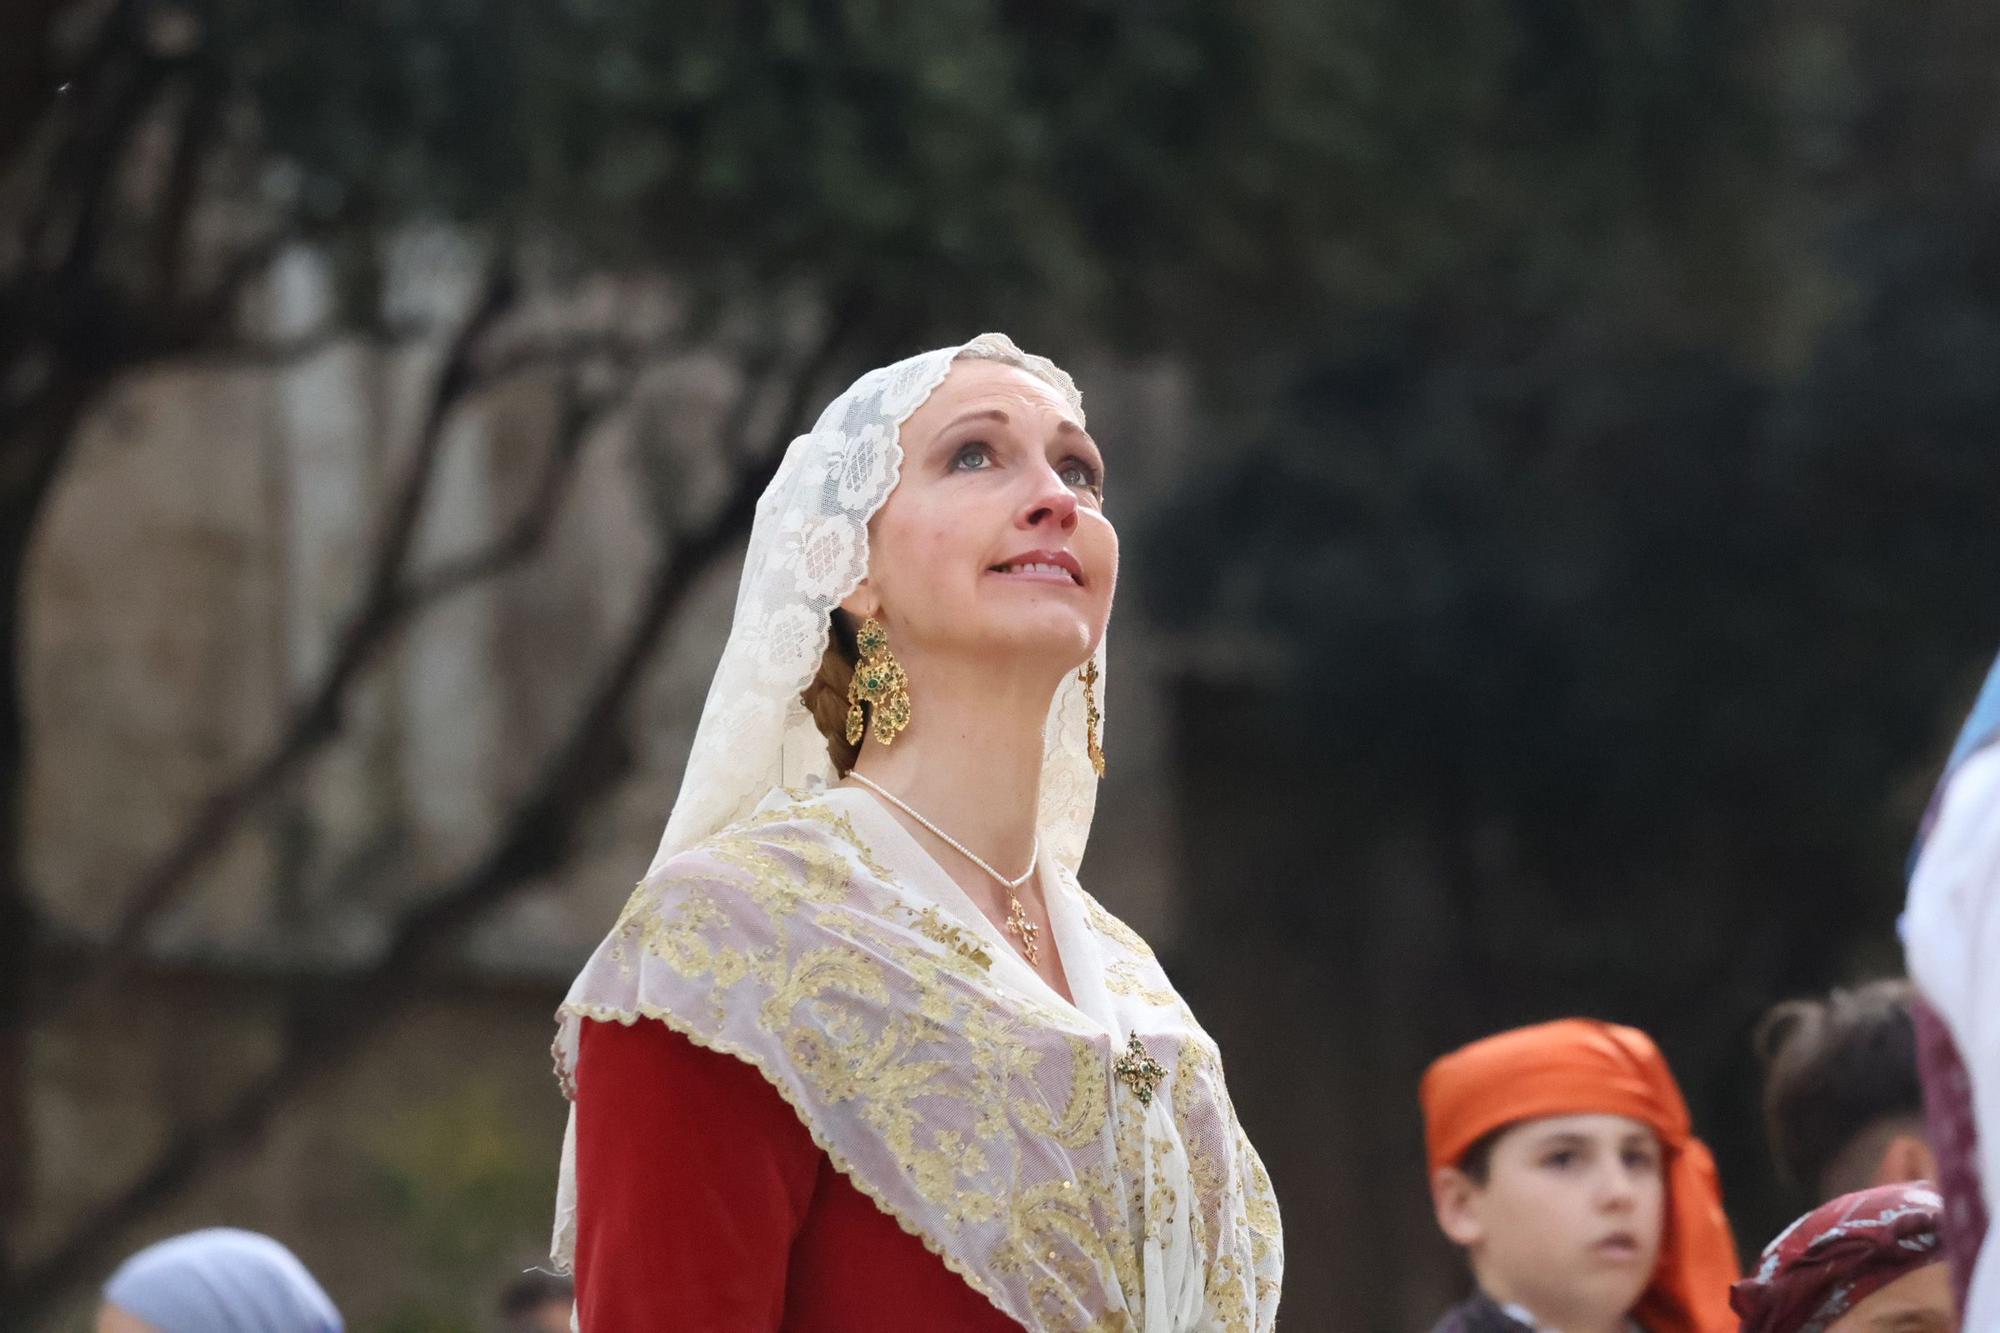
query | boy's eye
[1640, 1160]
[1562, 1159]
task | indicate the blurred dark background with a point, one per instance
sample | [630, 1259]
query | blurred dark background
[1552, 442]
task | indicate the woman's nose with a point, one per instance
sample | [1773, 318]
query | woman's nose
[1053, 504]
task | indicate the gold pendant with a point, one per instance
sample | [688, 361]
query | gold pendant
[1024, 930]
[1139, 1071]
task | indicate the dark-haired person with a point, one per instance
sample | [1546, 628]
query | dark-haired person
[1867, 1262]
[1843, 1106]
[1564, 1165]
[1951, 941]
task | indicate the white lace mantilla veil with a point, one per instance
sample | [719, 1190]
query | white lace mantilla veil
[840, 966]
[808, 551]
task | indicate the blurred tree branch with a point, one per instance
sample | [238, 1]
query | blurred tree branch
[335, 1017]
[318, 718]
[393, 595]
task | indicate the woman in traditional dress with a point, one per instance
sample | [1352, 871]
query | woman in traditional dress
[860, 1053]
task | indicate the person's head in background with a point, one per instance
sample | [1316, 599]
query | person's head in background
[1866, 1262]
[1560, 1216]
[1563, 1163]
[1843, 1107]
[217, 1281]
[537, 1302]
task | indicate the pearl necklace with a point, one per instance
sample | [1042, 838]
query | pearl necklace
[1017, 917]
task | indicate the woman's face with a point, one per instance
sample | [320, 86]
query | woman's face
[995, 539]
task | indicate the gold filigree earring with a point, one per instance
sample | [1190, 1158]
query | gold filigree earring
[1091, 716]
[879, 682]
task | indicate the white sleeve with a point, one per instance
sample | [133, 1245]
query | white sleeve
[1951, 937]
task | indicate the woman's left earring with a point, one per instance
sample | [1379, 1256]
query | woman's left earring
[879, 682]
[1091, 716]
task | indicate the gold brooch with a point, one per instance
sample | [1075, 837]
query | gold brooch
[1140, 1071]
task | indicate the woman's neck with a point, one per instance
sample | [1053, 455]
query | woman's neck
[971, 760]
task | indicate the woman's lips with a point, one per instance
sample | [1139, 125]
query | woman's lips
[1059, 567]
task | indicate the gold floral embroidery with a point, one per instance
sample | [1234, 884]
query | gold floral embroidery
[1107, 924]
[930, 923]
[981, 1120]
[1124, 978]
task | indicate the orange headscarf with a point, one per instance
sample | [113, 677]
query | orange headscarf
[1582, 1067]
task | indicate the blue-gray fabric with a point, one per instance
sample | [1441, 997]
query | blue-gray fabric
[1982, 726]
[222, 1281]
[1981, 729]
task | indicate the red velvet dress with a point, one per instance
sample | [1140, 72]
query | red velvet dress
[703, 1204]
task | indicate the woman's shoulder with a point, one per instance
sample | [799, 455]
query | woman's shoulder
[795, 830]
[1107, 923]
[794, 847]
[1131, 971]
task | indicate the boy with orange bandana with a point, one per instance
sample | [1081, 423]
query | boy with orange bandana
[1563, 1162]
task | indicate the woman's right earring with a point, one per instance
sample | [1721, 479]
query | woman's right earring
[879, 682]
[1091, 716]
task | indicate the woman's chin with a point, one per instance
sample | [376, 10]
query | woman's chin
[1056, 634]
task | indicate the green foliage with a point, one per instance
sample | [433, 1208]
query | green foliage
[1634, 565]
[935, 153]
[1581, 535]
[461, 1187]
[1167, 173]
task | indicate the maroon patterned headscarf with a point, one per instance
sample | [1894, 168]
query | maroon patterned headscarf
[1838, 1255]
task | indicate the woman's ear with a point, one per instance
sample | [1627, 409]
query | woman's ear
[1455, 1198]
[862, 603]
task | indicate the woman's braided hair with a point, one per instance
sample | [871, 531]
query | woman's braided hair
[826, 696]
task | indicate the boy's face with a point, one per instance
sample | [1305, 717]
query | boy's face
[1568, 1220]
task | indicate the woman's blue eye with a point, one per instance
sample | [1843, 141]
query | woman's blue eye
[1082, 474]
[973, 457]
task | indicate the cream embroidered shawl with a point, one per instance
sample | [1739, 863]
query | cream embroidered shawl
[817, 941]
